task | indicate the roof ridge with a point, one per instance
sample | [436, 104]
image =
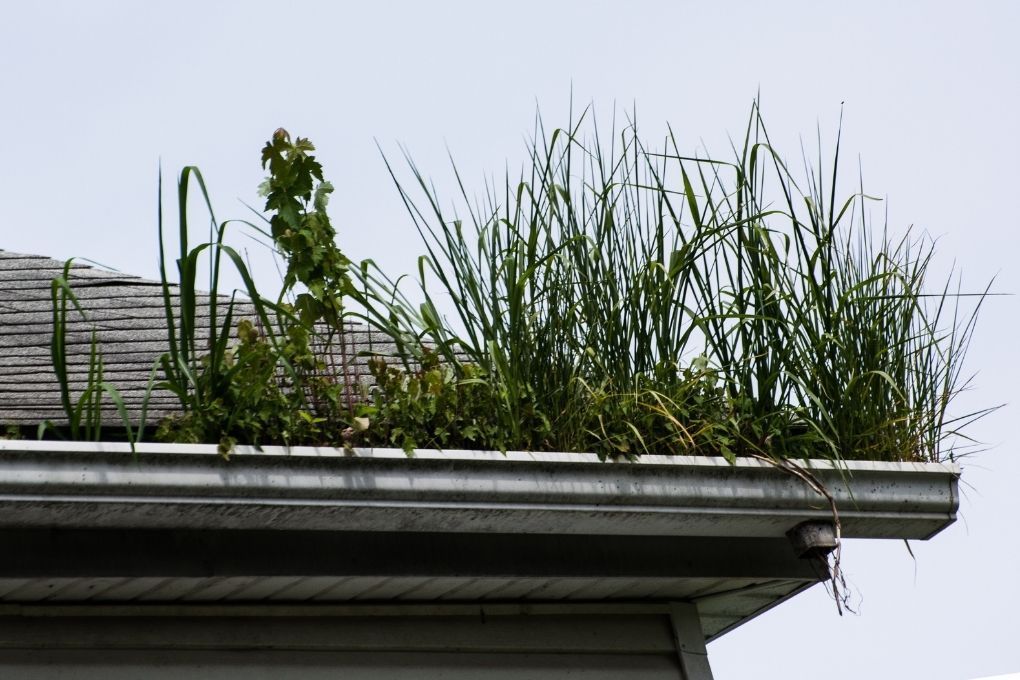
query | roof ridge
[87, 263]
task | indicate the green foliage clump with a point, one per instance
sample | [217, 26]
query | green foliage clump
[435, 406]
[629, 301]
[623, 301]
[261, 382]
[686, 414]
[249, 404]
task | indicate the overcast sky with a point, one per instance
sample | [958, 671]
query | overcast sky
[94, 94]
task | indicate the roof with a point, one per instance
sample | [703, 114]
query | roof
[128, 315]
[175, 524]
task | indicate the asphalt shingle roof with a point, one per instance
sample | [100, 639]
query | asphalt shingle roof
[128, 316]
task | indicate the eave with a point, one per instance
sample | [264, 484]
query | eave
[177, 523]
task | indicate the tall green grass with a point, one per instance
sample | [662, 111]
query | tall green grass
[614, 297]
[83, 412]
[631, 300]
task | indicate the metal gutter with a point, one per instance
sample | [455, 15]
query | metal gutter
[105, 485]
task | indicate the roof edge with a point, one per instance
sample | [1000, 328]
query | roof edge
[104, 485]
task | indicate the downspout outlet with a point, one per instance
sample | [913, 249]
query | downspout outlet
[813, 539]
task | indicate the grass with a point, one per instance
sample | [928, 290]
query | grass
[614, 297]
[84, 413]
[630, 301]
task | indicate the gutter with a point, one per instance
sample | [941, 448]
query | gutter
[182, 486]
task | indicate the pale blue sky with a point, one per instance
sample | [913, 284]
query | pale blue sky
[94, 94]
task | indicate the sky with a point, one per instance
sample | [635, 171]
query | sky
[95, 97]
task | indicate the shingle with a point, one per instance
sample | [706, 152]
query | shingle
[128, 316]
